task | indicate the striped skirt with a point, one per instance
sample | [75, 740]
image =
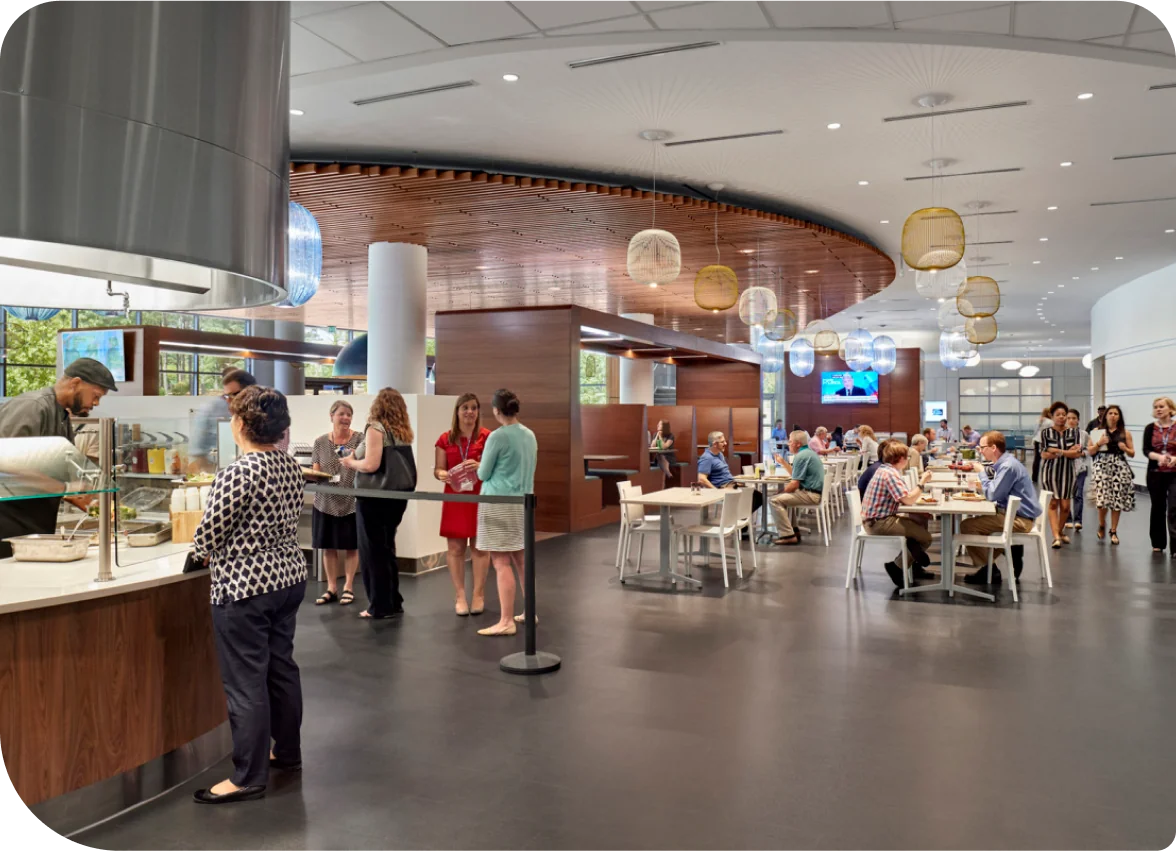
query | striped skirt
[500, 528]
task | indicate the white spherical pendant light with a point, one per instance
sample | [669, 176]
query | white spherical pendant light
[800, 357]
[654, 257]
[885, 354]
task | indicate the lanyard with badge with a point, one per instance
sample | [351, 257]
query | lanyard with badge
[462, 478]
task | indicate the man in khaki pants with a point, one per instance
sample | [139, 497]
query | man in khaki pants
[1005, 478]
[886, 493]
[808, 481]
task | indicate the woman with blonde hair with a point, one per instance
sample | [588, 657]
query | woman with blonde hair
[1159, 443]
[333, 517]
[457, 454]
[384, 461]
[868, 441]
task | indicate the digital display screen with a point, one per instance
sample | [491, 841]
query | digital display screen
[106, 347]
[933, 412]
[849, 388]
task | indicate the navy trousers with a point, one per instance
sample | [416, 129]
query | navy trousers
[255, 647]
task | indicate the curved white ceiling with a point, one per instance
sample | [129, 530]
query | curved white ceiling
[587, 120]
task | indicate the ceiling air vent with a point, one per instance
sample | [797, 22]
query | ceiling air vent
[1158, 86]
[1133, 201]
[989, 213]
[464, 84]
[964, 109]
[1145, 156]
[624, 57]
[725, 138]
[964, 174]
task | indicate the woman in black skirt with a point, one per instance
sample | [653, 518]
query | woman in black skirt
[333, 519]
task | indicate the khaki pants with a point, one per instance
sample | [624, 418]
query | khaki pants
[782, 502]
[900, 527]
[992, 524]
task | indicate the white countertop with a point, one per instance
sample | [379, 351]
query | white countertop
[38, 585]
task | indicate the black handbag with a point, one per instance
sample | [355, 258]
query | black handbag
[397, 470]
[193, 563]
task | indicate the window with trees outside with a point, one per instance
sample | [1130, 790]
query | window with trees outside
[593, 378]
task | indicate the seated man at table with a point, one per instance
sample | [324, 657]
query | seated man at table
[886, 492]
[820, 442]
[1006, 477]
[915, 452]
[713, 471]
[808, 480]
[944, 432]
[970, 436]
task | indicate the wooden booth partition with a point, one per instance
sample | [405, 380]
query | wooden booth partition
[718, 383]
[535, 353]
[711, 418]
[619, 430]
[898, 408]
[745, 435]
[686, 440]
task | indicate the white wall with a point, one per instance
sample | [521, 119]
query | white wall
[1071, 382]
[1132, 330]
[418, 535]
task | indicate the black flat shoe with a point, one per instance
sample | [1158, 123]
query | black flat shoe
[894, 571]
[245, 793]
[980, 577]
[279, 765]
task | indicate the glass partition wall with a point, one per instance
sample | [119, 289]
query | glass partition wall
[1012, 405]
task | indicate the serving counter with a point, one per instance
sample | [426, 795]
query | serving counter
[110, 691]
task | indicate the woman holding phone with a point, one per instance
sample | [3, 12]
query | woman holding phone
[457, 454]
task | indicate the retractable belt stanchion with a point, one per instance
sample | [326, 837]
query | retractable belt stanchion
[531, 660]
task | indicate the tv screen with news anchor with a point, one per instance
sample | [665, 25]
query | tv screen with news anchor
[849, 388]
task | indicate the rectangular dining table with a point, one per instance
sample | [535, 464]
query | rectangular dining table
[947, 509]
[762, 484]
[666, 500]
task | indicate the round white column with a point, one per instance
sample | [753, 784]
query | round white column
[290, 378]
[397, 313]
[636, 376]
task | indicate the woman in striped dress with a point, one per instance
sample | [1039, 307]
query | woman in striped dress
[1059, 447]
[507, 469]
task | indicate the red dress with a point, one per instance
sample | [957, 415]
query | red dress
[460, 519]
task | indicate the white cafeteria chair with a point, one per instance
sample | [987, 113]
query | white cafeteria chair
[734, 517]
[634, 521]
[748, 470]
[860, 538]
[1038, 538]
[1003, 541]
[822, 510]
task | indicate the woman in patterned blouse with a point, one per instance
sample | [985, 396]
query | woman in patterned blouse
[249, 539]
[333, 520]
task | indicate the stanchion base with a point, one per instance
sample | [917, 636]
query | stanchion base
[521, 663]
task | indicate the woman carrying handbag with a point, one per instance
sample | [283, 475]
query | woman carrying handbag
[384, 461]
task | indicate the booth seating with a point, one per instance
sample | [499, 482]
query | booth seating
[619, 431]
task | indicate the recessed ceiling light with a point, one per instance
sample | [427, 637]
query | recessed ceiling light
[1094, 268]
[714, 310]
[867, 183]
[1086, 96]
[1075, 278]
[834, 126]
[1051, 292]
[1036, 262]
[297, 112]
[884, 222]
[654, 285]
[1170, 230]
[1045, 298]
[1051, 208]
[1043, 239]
[811, 271]
[1066, 164]
[553, 289]
[1118, 258]
[511, 78]
[1061, 286]
[747, 251]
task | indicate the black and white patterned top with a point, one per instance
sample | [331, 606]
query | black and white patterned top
[325, 454]
[250, 527]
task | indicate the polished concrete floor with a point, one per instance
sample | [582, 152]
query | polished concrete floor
[782, 713]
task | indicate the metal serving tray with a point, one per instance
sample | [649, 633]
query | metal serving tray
[149, 534]
[57, 548]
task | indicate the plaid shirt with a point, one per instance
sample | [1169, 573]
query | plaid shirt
[884, 495]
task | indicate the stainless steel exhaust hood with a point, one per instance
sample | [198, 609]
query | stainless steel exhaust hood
[145, 144]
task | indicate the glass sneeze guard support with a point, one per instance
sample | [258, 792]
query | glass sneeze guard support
[105, 456]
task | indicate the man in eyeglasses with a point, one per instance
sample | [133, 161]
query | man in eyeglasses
[1005, 477]
[200, 452]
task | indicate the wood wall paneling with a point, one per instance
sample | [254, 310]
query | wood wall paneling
[92, 689]
[704, 382]
[685, 431]
[898, 407]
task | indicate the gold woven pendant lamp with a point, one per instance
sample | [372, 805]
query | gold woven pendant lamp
[980, 330]
[782, 327]
[716, 287]
[822, 337]
[933, 239]
[979, 297]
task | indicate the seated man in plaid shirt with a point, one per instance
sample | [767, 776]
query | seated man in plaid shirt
[887, 491]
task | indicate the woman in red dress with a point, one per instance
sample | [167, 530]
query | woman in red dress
[458, 452]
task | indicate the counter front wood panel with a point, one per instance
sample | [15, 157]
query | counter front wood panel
[898, 407]
[89, 690]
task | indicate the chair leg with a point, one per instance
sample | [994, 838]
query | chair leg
[990, 565]
[738, 545]
[1044, 556]
[1012, 573]
[723, 554]
[853, 560]
[906, 566]
[640, 553]
[754, 563]
[621, 543]
[627, 539]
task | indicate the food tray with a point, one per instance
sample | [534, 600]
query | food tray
[149, 534]
[59, 548]
[144, 499]
[315, 476]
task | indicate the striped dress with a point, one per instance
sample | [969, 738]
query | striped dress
[1057, 474]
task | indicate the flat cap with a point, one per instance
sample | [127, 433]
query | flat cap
[92, 372]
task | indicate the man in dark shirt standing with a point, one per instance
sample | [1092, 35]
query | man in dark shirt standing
[46, 413]
[1097, 422]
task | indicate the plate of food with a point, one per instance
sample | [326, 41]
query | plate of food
[315, 476]
[968, 496]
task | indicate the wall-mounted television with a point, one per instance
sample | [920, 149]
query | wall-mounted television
[849, 388]
[933, 412]
[104, 346]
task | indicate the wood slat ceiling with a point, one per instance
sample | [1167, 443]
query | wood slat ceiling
[502, 241]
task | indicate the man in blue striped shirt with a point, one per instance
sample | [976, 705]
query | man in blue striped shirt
[1007, 477]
